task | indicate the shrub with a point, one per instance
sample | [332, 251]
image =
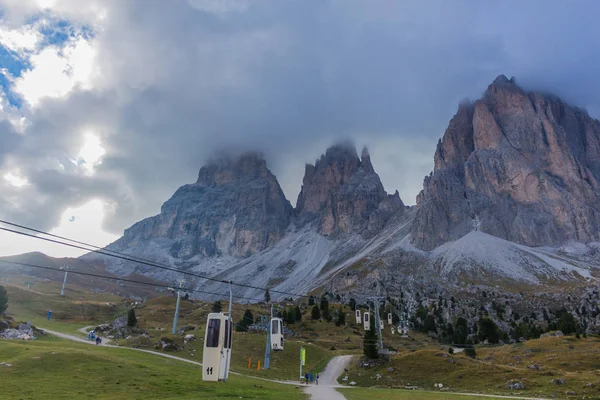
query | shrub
[131, 318]
[316, 313]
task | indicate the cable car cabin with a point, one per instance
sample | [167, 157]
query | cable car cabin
[277, 334]
[392, 330]
[358, 317]
[366, 321]
[381, 326]
[217, 347]
[390, 319]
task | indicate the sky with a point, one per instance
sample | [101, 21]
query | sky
[108, 106]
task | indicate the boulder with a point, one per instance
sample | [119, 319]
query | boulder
[189, 337]
[26, 328]
[14, 334]
[186, 328]
[170, 347]
[559, 381]
[515, 385]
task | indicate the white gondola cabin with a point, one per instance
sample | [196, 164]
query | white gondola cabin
[358, 317]
[366, 321]
[217, 347]
[277, 334]
[381, 326]
[390, 319]
[393, 330]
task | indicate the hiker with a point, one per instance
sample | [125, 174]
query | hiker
[311, 377]
[97, 340]
[317, 379]
[306, 377]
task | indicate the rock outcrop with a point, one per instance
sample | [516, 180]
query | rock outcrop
[236, 207]
[343, 194]
[23, 331]
[519, 165]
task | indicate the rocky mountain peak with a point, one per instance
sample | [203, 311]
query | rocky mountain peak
[236, 207]
[524, 165]
[344, 194]
[250, 165]
[502, 80]
[365, 160]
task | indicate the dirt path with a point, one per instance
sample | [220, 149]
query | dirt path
[86, 330]
[325, 390]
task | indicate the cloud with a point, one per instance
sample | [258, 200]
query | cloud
[165, 85]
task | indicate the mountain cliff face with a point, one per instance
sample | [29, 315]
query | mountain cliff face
[236, 207]
[343, 194]
[514, 197]
[518, 165]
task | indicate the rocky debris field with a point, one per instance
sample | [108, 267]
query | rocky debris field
[18, 331]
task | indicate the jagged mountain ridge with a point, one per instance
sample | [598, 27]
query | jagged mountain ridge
[236, 207]
[520, 166]
[344, 194]
[515, 179]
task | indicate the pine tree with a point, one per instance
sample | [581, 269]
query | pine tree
[470, 350]
[131, 318]
[488, 330]
[325, 308]
[370, 342]
[217, 307]
[298, 314]
[248, 318]
[3, 300]
[311, 301]
[267, 296]
[316, 313]
[352, 304]
[341, 318]
[245, 322]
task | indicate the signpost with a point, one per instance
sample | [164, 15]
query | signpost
[302, 361]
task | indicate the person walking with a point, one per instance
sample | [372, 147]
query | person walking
[306, 377]
[317, 379]
[311, 377]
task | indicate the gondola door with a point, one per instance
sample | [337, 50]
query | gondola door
[226, 350]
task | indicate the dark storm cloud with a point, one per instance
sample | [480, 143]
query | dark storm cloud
[180, 83]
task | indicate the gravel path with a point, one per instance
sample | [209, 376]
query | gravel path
[325, 390]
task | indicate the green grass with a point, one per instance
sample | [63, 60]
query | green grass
[399, 394]
[78, 308]
[55, 369]
[576, 362]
